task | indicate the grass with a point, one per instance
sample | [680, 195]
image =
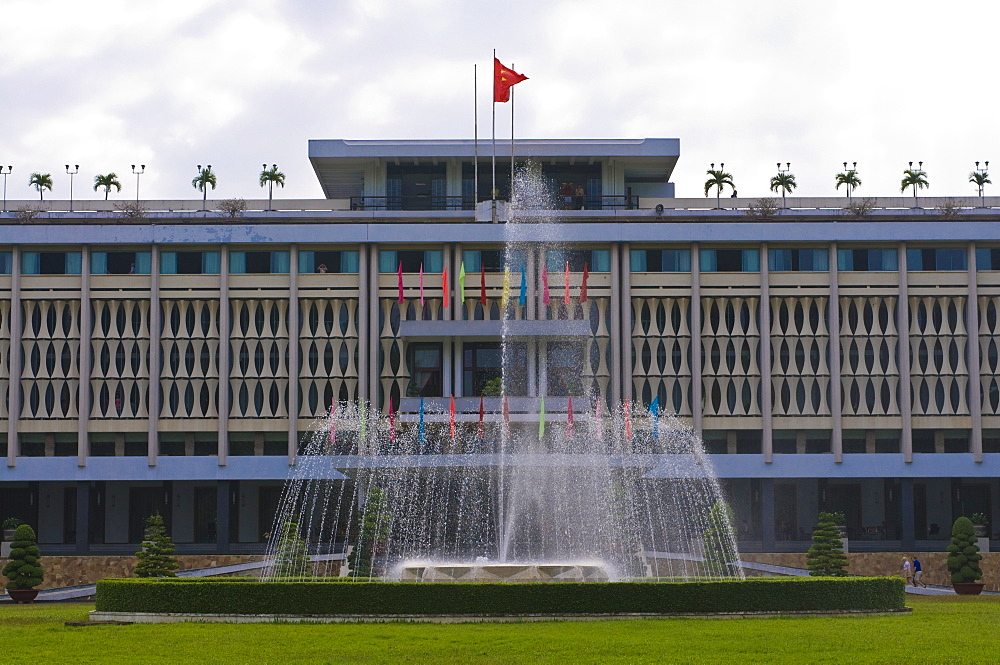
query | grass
[942, 629]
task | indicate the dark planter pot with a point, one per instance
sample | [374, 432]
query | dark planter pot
[980, 530]
[968, 588]
[8, 534]
[22, 595]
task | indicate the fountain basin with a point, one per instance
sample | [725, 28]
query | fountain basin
[503, 572]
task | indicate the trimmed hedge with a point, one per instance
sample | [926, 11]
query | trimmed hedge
[187, 596]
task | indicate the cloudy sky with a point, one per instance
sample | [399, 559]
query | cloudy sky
[237, 83]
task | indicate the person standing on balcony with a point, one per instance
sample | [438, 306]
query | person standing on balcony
[579, 197]
[566, 193]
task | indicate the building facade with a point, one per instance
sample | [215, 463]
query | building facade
[174, 362]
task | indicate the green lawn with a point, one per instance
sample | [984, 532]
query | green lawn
[942, 629]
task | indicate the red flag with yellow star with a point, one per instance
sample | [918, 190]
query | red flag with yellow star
[503, 79]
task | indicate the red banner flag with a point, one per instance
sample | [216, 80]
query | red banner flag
[400, 274]
[545, 285]
[506, 416]
[569, 419]
[503, 79]
[482, 412]
[421, 289]
[451, 418]
[628, 419]
[444, 285]
[392, 422]
[566, 292]
[482, 288]
[583, 287]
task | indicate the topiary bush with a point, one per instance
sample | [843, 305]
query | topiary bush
[718, 542]
[290, 558]
[963, 553]
[826, 556]
[156, 558]
[24, 569]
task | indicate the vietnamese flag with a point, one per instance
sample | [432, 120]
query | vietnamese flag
[482, 287]
[583, 287]
[503, 79]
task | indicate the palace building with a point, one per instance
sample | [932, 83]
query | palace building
[830, 358]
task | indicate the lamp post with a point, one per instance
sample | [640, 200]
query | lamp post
[142, 169]
[981, 181]
[849, 173]
[919, 171]
[204, 187]
[5, 174]
[72, 173]
[270, 186]
[781, 172]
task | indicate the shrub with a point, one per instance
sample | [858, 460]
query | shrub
[290, 557]
[27, 213]
[131, 210]
[949, 208]
[719, 545]
[373, 531]
[963, 553]
[228, 596]
[765, 207]
[826, 556]
[860, 207]
[232, 208]
[24, 569]
[12, 523]
[979, 519]
[155, 559]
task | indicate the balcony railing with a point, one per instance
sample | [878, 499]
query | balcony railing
[395, 203]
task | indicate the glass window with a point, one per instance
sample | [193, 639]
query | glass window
[258, 263]
[798, 260]
[661, 260]
[323, 261]
[424, 360]
[730, 260]
[5, 263]
[411, 260]
[945, 258]
[565, 360]
[51, 263]
[987, 258]
[189, 263]
[596, 260]
[874, 260]
[119, 263]
[483, 368]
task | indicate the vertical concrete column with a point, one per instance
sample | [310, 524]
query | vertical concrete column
[364, 277]
[767, 434]
[82, 517]
[625, 318]
[767, 514]
[293, 353]
[833, 328]
[696, 385]
[222, 508]
[225, 352]
[903, 330]
[906, 506]
[86, 359]
[15, 361]
[373, 328]
[155, 355]
[617, 334]
[972, 343]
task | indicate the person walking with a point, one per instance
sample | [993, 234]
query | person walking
[907, 571]
[918, 573]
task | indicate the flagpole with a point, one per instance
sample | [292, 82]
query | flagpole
[475, 139]
[512, 140]
[493, 188]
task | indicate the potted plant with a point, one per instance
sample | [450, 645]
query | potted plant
[24, 570]
[964, 558]
[980, 523]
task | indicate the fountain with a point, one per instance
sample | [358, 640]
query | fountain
[583, 490]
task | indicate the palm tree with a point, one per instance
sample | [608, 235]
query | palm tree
[718, 179]
[271, 177]
[980, 178]
[107, 182]
[201, 183]
[849, 178]
[41, 182]
[784, 181]
[915, 178]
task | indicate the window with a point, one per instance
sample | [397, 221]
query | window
[120, 263]
[424, 360]
[987, 258]
[51, 263]
[411, 260]
[945, 258]
[492, 260]
[328, 261]
[564, 365]
[730, 260]
[483, 369]
[258, 263]
[875, 260]
[189, 263]
[661, 260]
[596, 260]
[5, 263]
[798, 260]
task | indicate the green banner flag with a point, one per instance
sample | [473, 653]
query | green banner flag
[541, 419]
[461, 283]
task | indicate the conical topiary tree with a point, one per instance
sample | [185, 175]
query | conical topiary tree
[963, 553]
[373, 531]
[826, 556]
[155, 559]
[718, 542]
[24, 569]
[290, 557]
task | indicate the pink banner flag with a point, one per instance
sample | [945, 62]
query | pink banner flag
[482, 412]
[628, 419]
[451, 418]
[392, 422]
[566, 293]
[583, 287]
[421, 288]
[545, 285]
[569, 419]
[333, 422]
[399, 273]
